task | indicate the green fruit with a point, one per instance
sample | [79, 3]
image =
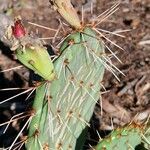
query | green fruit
[37, 59]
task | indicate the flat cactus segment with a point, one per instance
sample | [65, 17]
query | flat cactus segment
[77, 89]
[126, 138]
[37, 59]
[72, 95]
[37, 125]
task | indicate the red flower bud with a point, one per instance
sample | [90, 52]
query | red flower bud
[18, 29]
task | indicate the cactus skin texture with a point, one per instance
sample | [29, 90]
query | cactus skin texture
[64, 106]
[125, 138]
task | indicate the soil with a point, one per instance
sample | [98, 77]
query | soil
[122, 101]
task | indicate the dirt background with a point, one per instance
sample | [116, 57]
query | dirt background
[123, 101]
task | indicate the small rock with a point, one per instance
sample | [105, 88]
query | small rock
[135, 23]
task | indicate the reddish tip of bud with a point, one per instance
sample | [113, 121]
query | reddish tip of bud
[18, 29]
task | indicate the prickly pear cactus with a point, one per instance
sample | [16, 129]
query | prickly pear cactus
[69, 100]
[65, 99]
[125, 138]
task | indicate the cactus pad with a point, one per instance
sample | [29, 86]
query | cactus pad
[126, 138]
[71, 97]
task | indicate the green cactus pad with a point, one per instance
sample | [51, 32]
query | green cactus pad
[40, 111]
[37, 59]
[71, 97]
[126, 138]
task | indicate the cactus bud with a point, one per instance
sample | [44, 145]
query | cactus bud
[18, 29]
